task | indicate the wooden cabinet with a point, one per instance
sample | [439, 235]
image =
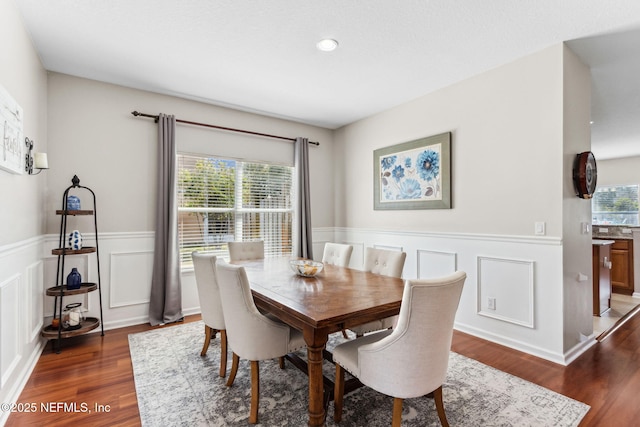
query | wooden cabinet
[622, 268]
[601, 276]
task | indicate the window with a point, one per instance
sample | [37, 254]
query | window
[615, 205]
[222, 200]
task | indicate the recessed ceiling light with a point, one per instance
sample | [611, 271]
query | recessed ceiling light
[327, 45]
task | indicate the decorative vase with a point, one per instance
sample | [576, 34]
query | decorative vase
[74, 279]
[75, 240]
[73, 203]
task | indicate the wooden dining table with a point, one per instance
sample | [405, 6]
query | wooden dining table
[335, 299]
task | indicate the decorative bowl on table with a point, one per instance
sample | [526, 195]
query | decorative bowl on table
[306, 267]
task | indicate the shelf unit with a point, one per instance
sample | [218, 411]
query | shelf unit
[60, 291]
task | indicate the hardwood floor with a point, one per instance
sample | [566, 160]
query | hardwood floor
[97, 370]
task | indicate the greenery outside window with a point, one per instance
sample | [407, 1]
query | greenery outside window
[223, 200]
[615, 205]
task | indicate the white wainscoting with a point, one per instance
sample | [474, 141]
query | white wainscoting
[529, 314]
[433, 264]
[509, 282]
[126, 262]
[21, 316]
[34, 291]
[131, 274]
[10, 326]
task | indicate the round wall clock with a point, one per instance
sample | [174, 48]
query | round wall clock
[585, 174]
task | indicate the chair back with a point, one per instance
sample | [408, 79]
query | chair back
[239, 251]
[337, 254]
[412, 361]
[384, 262]
[251, 335]
[204, 266]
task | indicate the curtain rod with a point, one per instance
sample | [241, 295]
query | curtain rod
[135, 113]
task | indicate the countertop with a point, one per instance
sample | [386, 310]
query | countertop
[601, 242]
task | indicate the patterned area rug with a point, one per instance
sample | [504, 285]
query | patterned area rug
[177, 387]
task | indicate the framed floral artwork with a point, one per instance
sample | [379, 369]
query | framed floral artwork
[414, 174]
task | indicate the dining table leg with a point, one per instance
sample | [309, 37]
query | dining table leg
[316, 341]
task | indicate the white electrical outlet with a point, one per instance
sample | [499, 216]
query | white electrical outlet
[491, 303]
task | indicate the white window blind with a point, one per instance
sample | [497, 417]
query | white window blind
[223, 200]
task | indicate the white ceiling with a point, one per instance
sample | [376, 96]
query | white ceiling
[260, 56]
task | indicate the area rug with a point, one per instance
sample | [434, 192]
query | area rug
[175, 386]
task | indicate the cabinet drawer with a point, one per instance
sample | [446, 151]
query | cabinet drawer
[622, 245]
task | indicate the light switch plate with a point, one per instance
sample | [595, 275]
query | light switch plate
[540, 228]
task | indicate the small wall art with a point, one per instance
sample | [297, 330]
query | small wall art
[414, 174]
[12, 144]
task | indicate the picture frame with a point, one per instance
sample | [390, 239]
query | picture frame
[413, 175]
[12, 145]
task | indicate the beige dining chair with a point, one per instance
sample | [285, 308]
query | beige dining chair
[385, 263]
[239, 251]
[252, 335]
[337, 254]
[412, 359]
[204, 267]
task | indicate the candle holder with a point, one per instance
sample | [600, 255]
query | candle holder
[72, 316]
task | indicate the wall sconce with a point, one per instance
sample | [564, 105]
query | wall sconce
[40, 162]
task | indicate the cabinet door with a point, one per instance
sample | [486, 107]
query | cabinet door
[622, 269]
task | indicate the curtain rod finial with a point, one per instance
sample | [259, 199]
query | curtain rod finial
[135, 113]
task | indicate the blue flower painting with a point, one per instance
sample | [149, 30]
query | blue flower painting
[411, 175]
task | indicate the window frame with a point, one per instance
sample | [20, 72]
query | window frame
[238, 210]
[595, 201]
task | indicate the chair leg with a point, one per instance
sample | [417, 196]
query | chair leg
[344, 335]
[281, 362]
[223, 353]
[437, 395]
[207, 339]
[338, 394]
[397, 412]
[255, 392]
[234, 370]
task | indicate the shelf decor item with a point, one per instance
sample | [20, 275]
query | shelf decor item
[75, 240]
[72, 316]
[73, 203]
[74, 279]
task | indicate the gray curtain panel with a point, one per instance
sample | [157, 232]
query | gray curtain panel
[165, 305]
[303, 244]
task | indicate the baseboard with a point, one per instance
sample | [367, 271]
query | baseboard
[513, 344]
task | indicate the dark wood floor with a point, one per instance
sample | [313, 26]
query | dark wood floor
[97, 371]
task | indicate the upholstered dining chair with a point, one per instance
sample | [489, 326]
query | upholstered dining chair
[385, 263]
[204, 266]
[337, 254]
[412, 359]
[239, 251]
[252, 335]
